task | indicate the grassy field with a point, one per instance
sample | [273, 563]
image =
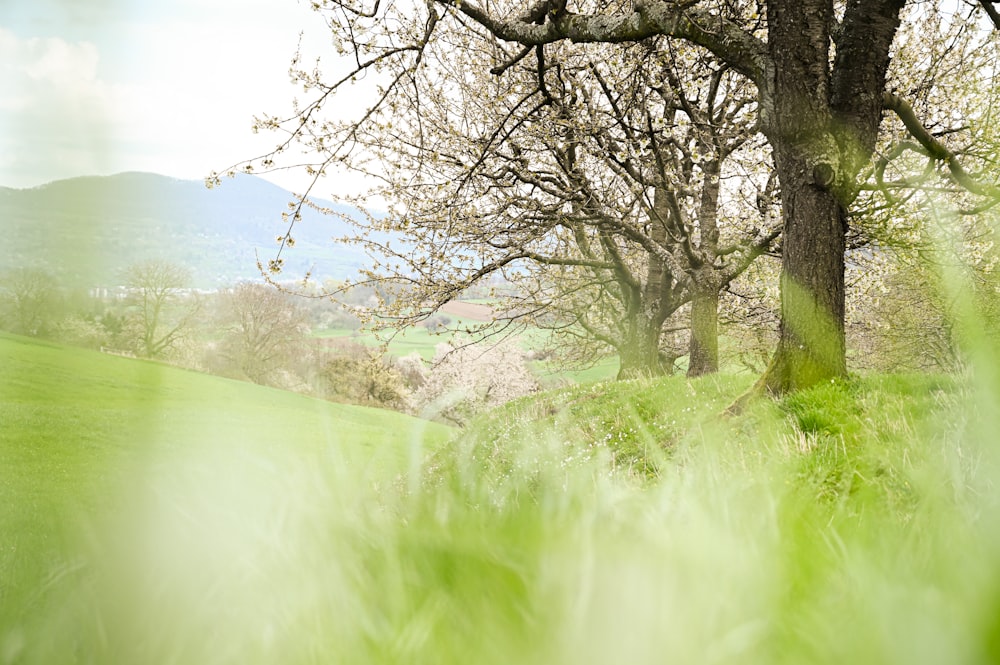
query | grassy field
[424, 342]
[88, 439]
[404, 343]
[157, 516]
[549, 373]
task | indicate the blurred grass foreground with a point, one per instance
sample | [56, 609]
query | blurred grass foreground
[153, 515]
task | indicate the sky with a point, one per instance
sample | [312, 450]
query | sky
[96, 87]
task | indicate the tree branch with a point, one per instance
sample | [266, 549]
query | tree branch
[730, 43]
[991, 12]
[934, 148]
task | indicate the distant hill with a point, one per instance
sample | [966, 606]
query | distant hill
[89, 229]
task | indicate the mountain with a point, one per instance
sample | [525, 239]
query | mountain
[89, 229]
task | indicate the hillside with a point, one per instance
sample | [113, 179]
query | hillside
[80, 430]
[89, 228]
[155, 515]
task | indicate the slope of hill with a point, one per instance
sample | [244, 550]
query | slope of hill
[89, 228]
[85, 436]
[855, 522]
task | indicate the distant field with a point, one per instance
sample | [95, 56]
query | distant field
[424, 342]
[548, 373]
[413, 339]
[417, 338]
[605, 369]
[87, 437]
[464, 309]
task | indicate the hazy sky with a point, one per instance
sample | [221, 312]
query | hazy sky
[168, 86]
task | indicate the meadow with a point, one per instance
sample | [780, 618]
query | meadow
[424, 342]
[88, 439]
[155, 515]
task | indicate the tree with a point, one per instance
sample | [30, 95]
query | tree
[627, 171]
[162, 311]
[819, 70]
[361, 375]
[921, 224]
[600, 203]
[29, 299]
[821, 82]
[265, 329]
[466, 379]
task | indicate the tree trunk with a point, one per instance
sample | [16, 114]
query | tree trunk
[799, 125]
[703, 347]
[811, 343]
[639, 354]
[822, 122]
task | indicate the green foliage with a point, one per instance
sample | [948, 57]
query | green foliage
[162, 515]
[842, 524]
[638, 423]
[825, 409]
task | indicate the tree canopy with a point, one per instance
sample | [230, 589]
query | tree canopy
[552, 132]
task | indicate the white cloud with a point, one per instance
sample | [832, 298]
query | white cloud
[53, 109]
[173, 92]
[59, 63]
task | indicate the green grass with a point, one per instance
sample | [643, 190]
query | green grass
[212, 522]
[417, 339]
[604, 369]
[855, 522]
[83, 436]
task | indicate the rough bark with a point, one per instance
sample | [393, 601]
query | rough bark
[811, 342]
[823, 129]
[703, 346]
[639, 354]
